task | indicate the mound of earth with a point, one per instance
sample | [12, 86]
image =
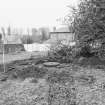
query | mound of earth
[64, 85]
[91, 61]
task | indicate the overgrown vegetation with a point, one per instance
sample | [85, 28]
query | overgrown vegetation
[60, 77]
[62, 53]
[26, 72]
[88, 24]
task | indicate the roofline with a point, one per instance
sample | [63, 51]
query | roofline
[59, 32]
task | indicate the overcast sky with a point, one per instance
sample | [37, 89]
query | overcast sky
[33, 13]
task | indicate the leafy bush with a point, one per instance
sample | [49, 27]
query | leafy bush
[62, 53]
[86, 51]
[68, 54]
[88, 23]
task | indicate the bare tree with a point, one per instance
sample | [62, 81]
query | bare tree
[45, 33]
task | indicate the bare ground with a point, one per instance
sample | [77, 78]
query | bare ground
[19, 56]
[65, 85]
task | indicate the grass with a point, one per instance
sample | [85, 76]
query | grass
[70, 85]
[29, 84]
[61, 87]
[23, 92]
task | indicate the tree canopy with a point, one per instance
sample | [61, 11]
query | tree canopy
[89, 20]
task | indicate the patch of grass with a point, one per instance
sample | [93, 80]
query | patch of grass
[32, 71]
[62, 77]
[23, 93]
[34, 80]
[23, 72]
[62, 95]
[86, 79]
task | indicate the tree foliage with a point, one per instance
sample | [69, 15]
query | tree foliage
[89, 21]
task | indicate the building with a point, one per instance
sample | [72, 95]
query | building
[11, 39]
[11, 48]
[62, 34]
[10, 44]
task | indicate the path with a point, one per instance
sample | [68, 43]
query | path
[19, 56]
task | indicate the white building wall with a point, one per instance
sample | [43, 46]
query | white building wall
[37, 47]
[61, 36]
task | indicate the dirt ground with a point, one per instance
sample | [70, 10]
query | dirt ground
[29, 82]
[19, 56]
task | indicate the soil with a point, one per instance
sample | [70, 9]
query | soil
[29, 82]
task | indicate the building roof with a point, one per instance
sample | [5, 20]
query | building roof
[61, 30]
[58, 32]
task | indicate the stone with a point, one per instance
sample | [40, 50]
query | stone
[51, 64]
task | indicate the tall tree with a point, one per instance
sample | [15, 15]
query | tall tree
[89, 20]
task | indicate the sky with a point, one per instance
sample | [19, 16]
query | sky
[33, 13]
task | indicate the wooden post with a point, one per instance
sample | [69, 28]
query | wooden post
[3, 31]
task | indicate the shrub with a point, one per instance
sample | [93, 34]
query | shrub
[62, 53]
[88, 23]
